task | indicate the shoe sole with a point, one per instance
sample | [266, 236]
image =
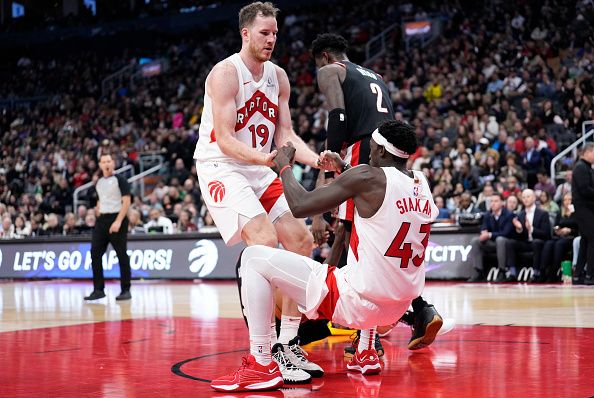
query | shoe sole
[273, 384]
[306, 381]
[314, 373]
[430, 333]
[365, 370]
[339, 331]
[294, 381]
[93, 299]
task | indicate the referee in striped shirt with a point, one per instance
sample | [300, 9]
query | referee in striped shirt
[111, 227]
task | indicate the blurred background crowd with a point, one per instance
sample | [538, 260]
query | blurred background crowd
[494, 97]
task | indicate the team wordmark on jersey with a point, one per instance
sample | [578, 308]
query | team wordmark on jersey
[257, 103]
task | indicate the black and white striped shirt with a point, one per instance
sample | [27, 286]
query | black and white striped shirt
[110, 191]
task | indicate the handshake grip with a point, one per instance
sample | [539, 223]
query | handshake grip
[285, 156]
[327, 160]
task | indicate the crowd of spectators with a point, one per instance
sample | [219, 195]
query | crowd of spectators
[50, 148]
[504, 88]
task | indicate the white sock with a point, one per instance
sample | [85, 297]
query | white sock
[260, 349]
[289, 328]
[273, 336]
[366, 340]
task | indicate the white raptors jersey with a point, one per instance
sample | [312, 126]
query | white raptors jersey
[390, 245]
[257, 113]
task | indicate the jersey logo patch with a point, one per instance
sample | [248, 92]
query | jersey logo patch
[417, 183]
[257, 103]
[217, 190]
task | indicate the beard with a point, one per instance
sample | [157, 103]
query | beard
[257, 53]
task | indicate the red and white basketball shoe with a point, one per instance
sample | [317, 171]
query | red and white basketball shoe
[251, 376]
[366, 362]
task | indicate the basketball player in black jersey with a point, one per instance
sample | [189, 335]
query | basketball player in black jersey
[359, 100]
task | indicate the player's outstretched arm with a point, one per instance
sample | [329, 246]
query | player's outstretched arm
[284, 128]
[304, 203]
[222, 86]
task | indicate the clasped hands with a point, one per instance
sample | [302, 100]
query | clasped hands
[285, 155]
[518, 225]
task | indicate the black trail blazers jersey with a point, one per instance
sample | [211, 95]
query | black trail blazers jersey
[367, 101]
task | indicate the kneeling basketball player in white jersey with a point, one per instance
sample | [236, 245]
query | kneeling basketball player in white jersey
[246, 108]
[393, 213]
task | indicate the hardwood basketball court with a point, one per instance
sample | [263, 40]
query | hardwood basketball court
[511, 340]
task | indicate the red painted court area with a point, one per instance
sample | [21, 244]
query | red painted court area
[175, 357]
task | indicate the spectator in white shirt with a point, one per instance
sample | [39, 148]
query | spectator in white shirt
[21, 227]
[7, 230]
[158, 223]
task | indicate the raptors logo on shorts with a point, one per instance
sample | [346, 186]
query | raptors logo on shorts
[217, 190]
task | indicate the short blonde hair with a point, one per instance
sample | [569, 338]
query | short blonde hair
[248, 14]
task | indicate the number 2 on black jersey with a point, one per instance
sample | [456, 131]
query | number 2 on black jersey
[405, 252]
[376, 89]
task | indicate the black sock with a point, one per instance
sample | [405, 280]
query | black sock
[418, 304]
[313, 330]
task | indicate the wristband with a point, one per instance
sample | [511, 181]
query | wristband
[345, 168]
[336, 130]
[288, 166]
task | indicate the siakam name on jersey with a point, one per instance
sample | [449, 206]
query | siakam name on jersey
[414, 204]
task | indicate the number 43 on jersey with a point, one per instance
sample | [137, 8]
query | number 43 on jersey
[403, 250]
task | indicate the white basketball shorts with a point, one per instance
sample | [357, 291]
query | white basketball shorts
[234, 194]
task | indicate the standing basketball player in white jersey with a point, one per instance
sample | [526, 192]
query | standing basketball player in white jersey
[393, 212]
[246, 107]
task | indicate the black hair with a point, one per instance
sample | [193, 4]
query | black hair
[400, 134]
[329, 42]
[498, 194]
